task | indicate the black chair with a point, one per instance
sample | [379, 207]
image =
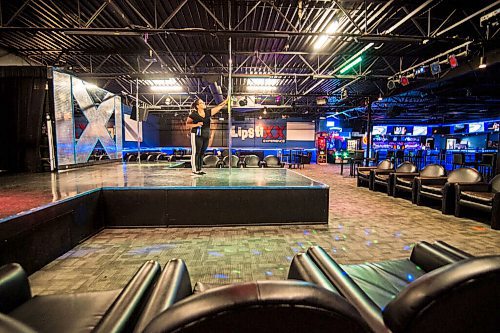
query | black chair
[365, 174]
[235, 161]
[106, 311]
[385, 178]
[403, 182]
[251, 161]
[438, 289]
[272, 161]
[458, 160]
[211, 161]
[443, 188]
[481, 196]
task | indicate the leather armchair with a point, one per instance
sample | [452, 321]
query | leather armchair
[211, 161]
[443, 188]
[365, 174]
[235, 161]
[403, 182]
[271, 161]
[108, 311]
[481, 196]
[385, 178]
[439, 289]
[251, 161]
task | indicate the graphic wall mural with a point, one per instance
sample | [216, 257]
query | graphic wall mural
[88, 121]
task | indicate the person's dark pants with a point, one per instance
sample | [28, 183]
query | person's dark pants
[199, 145]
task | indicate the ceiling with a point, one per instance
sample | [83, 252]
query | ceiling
[113, 43]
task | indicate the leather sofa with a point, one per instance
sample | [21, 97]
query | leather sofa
[438, 289]
[443, 188]
[271, 161]
[365, 173]
[403, 182]
[384, 178]
[107, 311]
[267, 306]
[481, 196]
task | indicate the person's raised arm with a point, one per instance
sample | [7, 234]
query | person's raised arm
[190, 124]
[219, 107]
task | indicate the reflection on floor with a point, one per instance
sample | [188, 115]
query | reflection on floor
[363, 226]
[24, 192]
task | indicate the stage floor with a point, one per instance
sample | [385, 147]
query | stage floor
[24, 193]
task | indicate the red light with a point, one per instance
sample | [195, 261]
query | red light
[452, 59]
[404, 81]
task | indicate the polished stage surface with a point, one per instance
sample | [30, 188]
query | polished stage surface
[23, 193]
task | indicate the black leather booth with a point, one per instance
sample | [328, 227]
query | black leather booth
[107, 311]
[403, 182]
[439, 289]
[365, 173]
[385, 178]
[443, 188]
[267, 306]
[480, 196]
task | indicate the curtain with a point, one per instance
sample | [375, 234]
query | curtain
[22, 94]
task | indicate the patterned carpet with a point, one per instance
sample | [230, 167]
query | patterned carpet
[363, 226]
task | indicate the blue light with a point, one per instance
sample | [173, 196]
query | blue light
[269, 273]
[215, 254]
[221, 276]
[330, 123]
[410, 277]
[255, 252]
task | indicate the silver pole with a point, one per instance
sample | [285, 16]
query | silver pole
[50, 134]
[229, 120]
[138, 118]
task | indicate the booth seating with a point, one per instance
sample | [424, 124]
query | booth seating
[403, 182]
[271, 161]
[438, 289]
[235, 161]
[385, 179]
[251, 161]
[480, 196]
[364, 173]
[266, 306]
[211, 161]
[443, 188]
[107, 311]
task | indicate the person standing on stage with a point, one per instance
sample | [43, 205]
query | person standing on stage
[199, 123]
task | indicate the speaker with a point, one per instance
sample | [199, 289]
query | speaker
[133, 114]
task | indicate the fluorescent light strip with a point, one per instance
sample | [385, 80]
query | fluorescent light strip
[354, 57]
[261, 88]
[349, 66]
[166, 88]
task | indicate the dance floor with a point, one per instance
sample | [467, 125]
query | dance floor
[23, 193]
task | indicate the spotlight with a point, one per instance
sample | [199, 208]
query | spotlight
[391, 85]
[265, 111]
[452, 59]
[482, 62]
[421, 70]
[435, 68]
[243, 102]
[404, 81]
[168, 101]
[260, 117]
[380, 97]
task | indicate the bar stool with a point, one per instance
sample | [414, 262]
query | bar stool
[487, 165]
[458, 159]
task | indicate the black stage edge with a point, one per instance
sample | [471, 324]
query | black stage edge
[36, 238]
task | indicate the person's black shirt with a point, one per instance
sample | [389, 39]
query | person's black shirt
[205, 129]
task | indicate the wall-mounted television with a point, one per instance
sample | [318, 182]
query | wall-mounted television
[493, 126]
[419, 130]
[459, 128]
[379, 130]
[401, 130]
[476, 127]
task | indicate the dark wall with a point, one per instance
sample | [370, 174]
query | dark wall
[23, 93]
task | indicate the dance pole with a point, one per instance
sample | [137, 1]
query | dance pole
[229, 121]
[137, 115]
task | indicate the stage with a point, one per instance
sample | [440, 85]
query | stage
[62, 209]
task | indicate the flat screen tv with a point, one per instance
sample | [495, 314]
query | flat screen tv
[379, 130]
[459, 128]
[476, 127]
[401, 130]
[419, 130]
[493, 126]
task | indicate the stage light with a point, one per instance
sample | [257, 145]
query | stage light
[391, 85]
[435, 68]
[260, 117]
[243, 102]
[452, 59]
[482, 62]
[379, 97]
[421, 70]
[320, 42]
[349, 66]
[404, 81]
[265, 111]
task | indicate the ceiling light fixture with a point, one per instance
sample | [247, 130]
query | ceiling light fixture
[482, 62]
[166, 88]
[320, 42]
[350, 65]
[379, 97]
